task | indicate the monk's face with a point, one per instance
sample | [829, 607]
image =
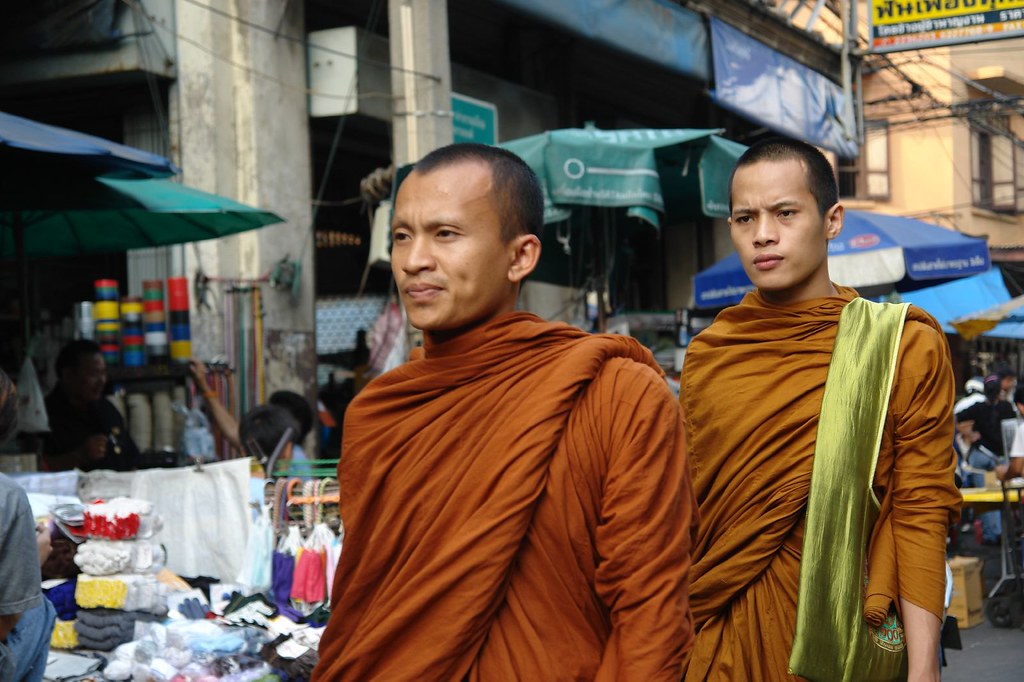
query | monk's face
[453, 269]
[779, 233]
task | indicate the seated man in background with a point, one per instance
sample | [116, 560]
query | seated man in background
[86, 430]
[26, 618]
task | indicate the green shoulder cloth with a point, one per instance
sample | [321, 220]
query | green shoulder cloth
[833, 642]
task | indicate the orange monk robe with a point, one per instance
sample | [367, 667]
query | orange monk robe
[752, 389]
[517, 505]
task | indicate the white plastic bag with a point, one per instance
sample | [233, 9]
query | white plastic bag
[32, 416]
[256, 567]
[196, 439]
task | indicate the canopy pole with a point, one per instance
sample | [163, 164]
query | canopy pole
[22, 275]
[599, 235]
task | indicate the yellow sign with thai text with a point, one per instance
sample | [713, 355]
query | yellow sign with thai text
[913, 24]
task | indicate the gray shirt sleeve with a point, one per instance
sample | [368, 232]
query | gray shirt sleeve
[19, 556]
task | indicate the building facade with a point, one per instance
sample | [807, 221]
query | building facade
[299, 108]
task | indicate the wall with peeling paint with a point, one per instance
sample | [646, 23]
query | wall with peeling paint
[239, 127]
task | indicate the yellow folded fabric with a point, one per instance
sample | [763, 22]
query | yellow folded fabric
[64, 635]
[93, 592]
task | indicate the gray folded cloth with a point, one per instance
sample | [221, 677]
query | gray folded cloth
[106, 629]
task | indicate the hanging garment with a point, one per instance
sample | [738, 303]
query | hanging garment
[257, 565]
[206, 519]
[283, 572]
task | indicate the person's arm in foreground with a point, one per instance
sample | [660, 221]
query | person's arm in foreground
[225, 421]
[1012, 470]
[647, 519]
[7, 623]
[925, 499]
[19, 589]
[922, 630]
[1015, 467]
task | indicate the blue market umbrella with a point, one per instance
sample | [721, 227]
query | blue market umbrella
[874, 250]
[39, 161]
[27, 145]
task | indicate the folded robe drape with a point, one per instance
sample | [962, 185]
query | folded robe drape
[517, 505]
[752, 388]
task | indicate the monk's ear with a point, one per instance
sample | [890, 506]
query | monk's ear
[525, 252]
[834, 221]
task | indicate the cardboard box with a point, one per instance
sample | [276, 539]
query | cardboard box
[991, 480]
[967, 602]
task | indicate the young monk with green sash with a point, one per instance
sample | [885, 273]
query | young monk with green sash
[516, 498]
[819, 432]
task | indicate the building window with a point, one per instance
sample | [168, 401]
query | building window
[867, 176]
[997, 180]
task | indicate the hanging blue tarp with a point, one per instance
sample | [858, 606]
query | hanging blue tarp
[765, 86]
[658, 31]
[949, 301]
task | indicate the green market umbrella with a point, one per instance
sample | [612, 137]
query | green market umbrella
[85, 215]
[102, 215]
[596, 182]
[682, 173]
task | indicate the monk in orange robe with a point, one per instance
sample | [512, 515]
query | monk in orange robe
[516, 498]
[752, 388]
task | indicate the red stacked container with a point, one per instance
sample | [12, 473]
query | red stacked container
[181, 333]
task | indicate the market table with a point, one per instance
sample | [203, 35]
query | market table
[992, 499]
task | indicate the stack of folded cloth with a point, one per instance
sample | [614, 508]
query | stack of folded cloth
[117, 586]
[61, 594]
[122, 591]
[118, 519]
[105, 629]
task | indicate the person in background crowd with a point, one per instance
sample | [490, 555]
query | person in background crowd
[982, 425]
[267, 434]
[226, 423]
[1007, 384]
[752, 455]
[974, 392]
[516, 498]
[86, 430]
[1015, 466]
[26, 618]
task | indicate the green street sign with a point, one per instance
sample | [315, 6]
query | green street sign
[474, 120]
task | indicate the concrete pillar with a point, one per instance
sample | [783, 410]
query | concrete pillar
[421, 82]
[420, 77]
[240, 127]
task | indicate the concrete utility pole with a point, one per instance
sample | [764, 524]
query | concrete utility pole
[421, 83]
[421, 79]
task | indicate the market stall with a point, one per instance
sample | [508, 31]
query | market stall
[187, 572]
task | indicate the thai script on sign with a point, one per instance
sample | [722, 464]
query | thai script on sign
[896, 11]
[724, 292]
[947, 264]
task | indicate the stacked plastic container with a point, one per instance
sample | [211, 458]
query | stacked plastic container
[155, 322]
[181, 331]
[107, 315]
[85, 325]
[133, 353]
